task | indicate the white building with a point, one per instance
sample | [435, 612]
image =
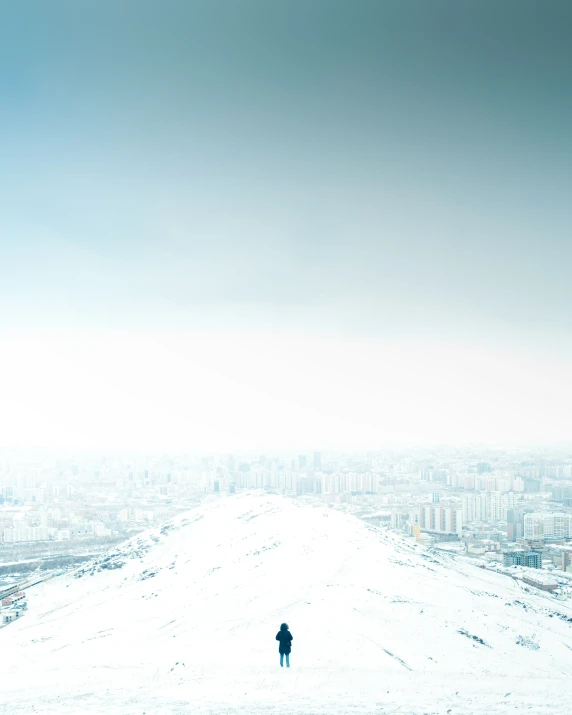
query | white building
[474, 507]
[556, 525]
[26, 533]
[487, 506]
[441, 519]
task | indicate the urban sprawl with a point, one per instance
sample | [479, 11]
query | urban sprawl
[508, 510]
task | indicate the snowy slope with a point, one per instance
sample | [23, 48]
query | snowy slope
[183, 619]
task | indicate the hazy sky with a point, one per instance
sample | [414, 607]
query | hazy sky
[320, 223]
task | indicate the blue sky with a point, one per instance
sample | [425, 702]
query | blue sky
[392, 172]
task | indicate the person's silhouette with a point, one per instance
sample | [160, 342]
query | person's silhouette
[285, 638]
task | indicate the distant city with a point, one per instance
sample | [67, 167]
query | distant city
[509, 511]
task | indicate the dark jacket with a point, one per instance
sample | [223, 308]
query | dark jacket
[285, 638]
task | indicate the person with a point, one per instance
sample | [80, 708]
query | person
[285, 638]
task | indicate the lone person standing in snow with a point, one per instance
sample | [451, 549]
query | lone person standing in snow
[285, 638]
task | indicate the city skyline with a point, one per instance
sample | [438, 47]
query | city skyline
[78, 534]
[286, 343]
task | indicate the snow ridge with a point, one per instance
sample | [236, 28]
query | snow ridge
[163, 616]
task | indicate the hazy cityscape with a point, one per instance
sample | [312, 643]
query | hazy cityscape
[285, 357]
[509, 510]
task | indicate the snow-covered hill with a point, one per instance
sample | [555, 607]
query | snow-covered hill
[183, 619]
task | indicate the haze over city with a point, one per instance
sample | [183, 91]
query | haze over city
[285, 357]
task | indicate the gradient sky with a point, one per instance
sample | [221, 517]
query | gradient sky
[364, 206]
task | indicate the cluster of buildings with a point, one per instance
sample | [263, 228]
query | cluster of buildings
[440, 519]
[488, 506]
[549, 525]
[500, 506]
[94, 501]
[12, 607]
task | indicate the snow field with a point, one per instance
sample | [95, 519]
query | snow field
[184, 617]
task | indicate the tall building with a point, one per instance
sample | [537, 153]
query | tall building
[514, 524]
[518, 484]
[547, 526]
[533, 559]
[309, 485]
[441, 519]
[302, 461]
[488, 506]
[317, 461]
[469, 481]
[474, 507]
[26, 533]
[562, 494]
[498, 504]
[399, 519]
[519, 557]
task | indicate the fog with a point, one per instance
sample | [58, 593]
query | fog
[285, 357]
[259, 392]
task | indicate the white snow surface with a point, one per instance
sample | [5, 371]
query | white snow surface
[183, 618]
